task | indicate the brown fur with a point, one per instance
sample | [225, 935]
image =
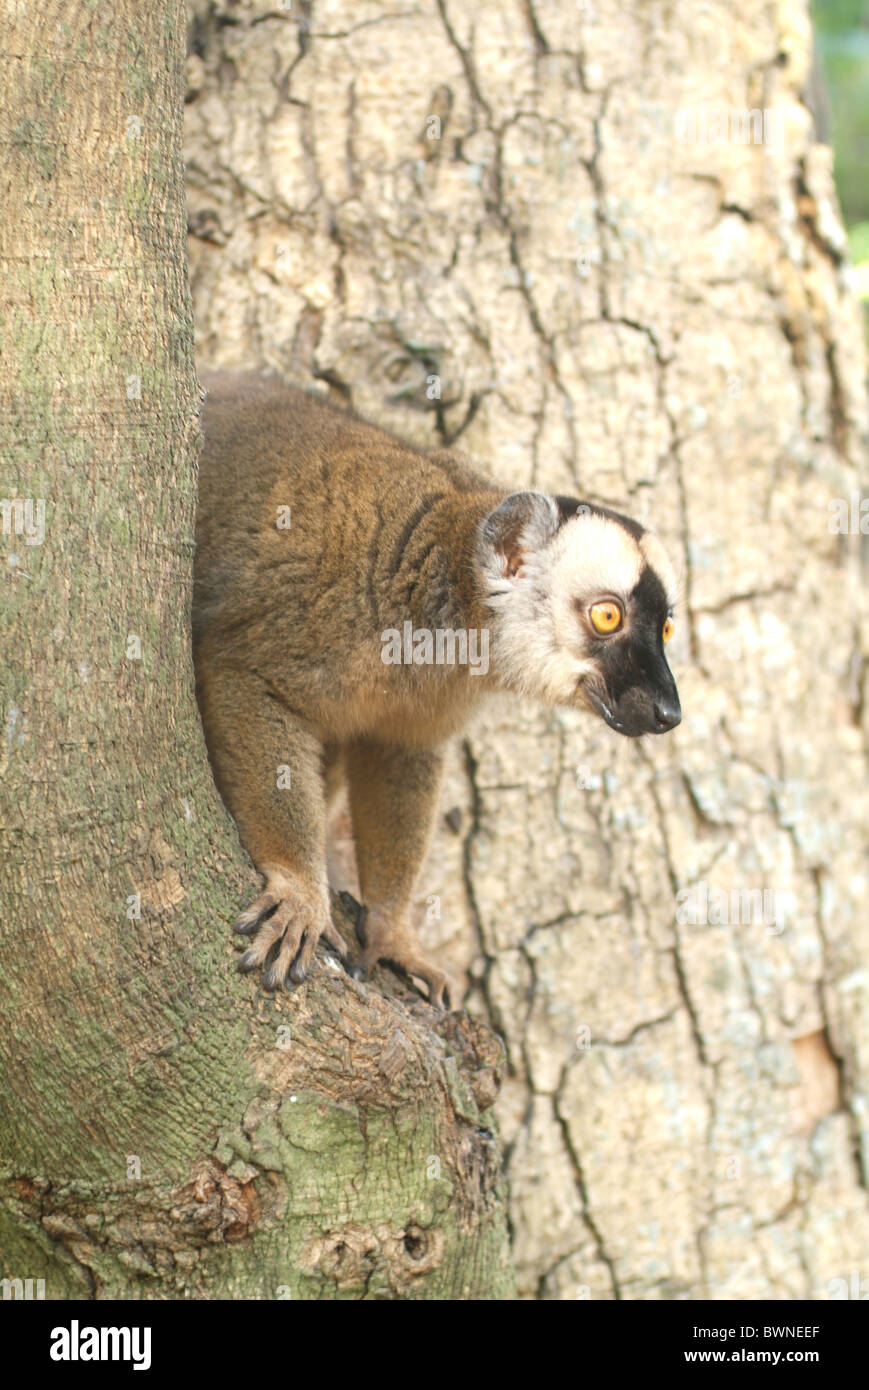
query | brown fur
[287, 645]
[288, 625]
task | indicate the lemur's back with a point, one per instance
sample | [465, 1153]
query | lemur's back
[316, 531]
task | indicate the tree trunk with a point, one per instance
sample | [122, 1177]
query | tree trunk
[496, 224]
[166, 1130]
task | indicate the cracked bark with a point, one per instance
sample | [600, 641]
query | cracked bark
[702, 368]
[166, 1130]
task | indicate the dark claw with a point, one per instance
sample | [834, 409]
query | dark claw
[271, 981]
[244, 927]
[361, 916]
[357, 972]
[247, 962]
[298, 973]
[350, 904]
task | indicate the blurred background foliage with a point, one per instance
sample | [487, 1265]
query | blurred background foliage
[842, 28]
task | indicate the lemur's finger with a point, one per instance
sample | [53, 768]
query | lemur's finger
[270, 932]
[302, 963]
[440, 987]
[246, 921]
[334, 938]
[439, 990]
[297, 920]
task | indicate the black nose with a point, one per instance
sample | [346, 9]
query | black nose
[667, 715]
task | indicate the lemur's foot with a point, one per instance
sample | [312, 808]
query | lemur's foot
[399, 944]
[286, 920]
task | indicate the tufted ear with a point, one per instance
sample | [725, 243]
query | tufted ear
[523, 523]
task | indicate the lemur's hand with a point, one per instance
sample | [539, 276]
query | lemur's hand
[286, 920]
[395, 941]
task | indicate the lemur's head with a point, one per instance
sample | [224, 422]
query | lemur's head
[582, 599]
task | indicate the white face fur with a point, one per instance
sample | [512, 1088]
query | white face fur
[543, 571]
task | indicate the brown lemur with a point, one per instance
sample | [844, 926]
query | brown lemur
[354, 599]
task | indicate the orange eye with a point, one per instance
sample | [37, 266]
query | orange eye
[606, 617]
[669, 629]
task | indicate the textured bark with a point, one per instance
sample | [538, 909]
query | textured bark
[664, 326]
[165, 1129]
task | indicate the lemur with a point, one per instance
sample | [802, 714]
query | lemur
[322, 545]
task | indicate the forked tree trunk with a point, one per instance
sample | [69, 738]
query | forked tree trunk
[516, 226]
[165, 1130]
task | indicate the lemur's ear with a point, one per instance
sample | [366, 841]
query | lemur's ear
[571, 506]
[523, 523]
